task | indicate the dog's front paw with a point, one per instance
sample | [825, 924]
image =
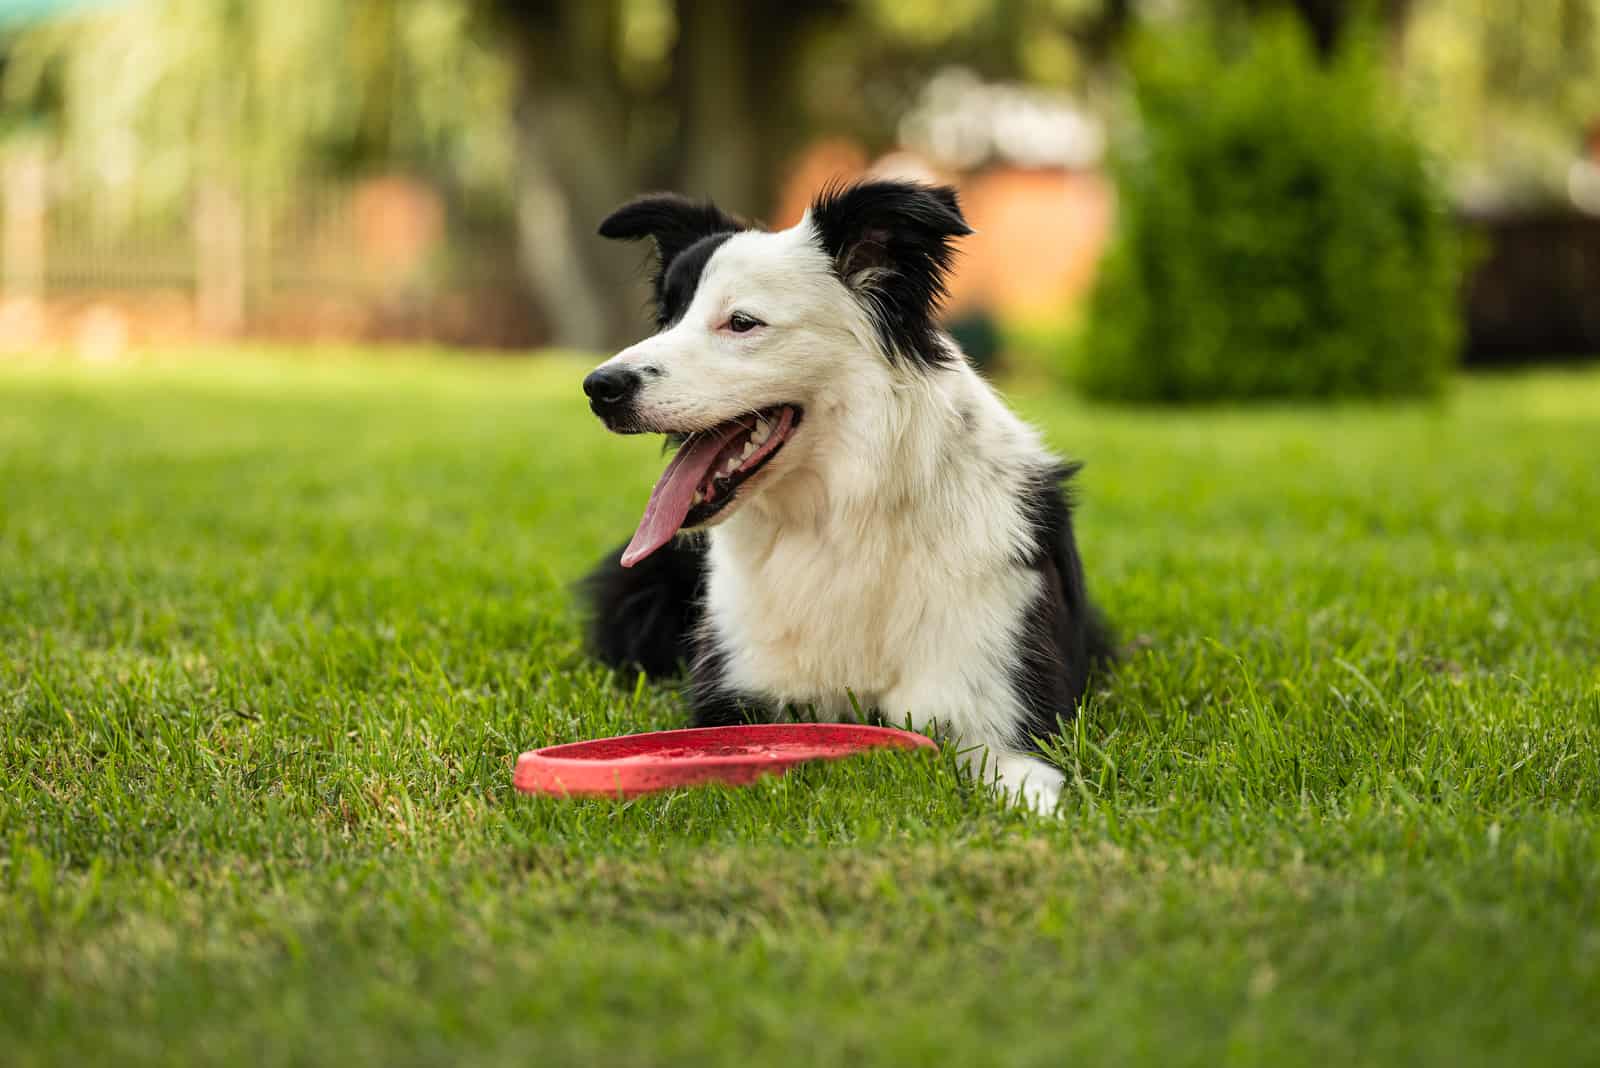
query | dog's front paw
[1036, 783]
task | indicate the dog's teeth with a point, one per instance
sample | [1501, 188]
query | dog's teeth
[761, 433]
[699, 498]
[749, 447]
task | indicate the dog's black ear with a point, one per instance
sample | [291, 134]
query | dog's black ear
[892, 244]
[674, 222]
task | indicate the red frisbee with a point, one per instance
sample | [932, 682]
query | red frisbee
[636, 764]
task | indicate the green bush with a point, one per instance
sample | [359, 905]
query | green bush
[1279, 232]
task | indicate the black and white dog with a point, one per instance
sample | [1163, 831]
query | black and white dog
[876, 523]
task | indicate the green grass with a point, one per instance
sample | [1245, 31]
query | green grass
[273, 630]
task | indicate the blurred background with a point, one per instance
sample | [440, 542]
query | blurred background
[1175, 199]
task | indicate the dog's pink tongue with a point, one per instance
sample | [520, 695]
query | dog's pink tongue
[670, 500]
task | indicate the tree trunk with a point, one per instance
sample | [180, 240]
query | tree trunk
[1105, 34]
[720, 153]
[574, 166]
[567, 183]
[586, 143]
[1327, 20]
[741, 111]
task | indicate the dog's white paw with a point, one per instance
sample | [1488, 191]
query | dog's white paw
[1029, 778]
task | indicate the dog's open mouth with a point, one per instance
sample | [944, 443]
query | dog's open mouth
[707, 472]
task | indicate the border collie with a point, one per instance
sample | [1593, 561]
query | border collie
[852, 519]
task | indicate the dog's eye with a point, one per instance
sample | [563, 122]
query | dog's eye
[741, 323]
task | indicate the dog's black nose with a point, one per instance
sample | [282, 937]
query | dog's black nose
[611, 388]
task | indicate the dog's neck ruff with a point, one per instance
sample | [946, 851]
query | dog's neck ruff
[931, 461]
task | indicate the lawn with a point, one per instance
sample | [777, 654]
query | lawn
[273, 629]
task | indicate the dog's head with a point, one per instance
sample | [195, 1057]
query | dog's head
[754, 328]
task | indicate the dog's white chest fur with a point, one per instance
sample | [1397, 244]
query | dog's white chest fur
[890, 567]
[817, 612]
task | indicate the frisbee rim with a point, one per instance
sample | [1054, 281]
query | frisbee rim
[554, 771]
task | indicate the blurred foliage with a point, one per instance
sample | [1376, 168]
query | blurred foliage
[141, 98]
[1279, 232]
[867, 70]
[539, 115]
[162, 88]
[1505, 89]
[717, 98]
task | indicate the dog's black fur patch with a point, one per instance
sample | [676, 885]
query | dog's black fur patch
[682, 278]
[647, 618]
[714, 702]
[1064, 636]
[644, 617]
[676, 224]
[892, 245]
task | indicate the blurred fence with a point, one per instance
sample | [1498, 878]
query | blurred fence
[390, 258]
[383, 258]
